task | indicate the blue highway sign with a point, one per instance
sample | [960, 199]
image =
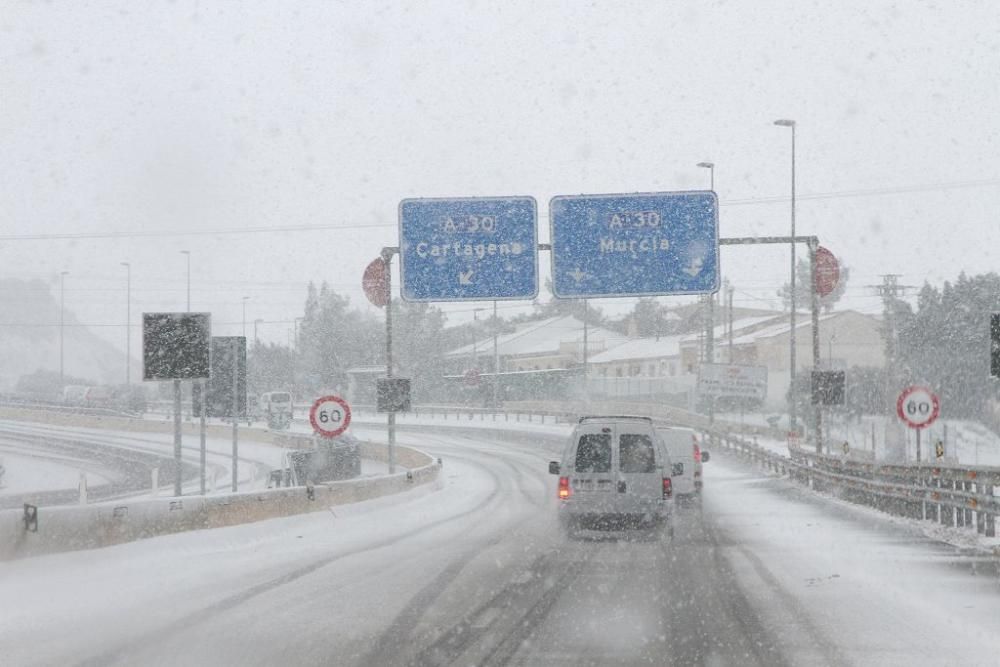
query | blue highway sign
[469, 249]
[635, 245]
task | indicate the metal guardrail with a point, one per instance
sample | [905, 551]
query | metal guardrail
[952, 495]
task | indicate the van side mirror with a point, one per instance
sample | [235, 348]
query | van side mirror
[705, 457]
[553, 468]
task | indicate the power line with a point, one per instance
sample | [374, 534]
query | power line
[163, 233]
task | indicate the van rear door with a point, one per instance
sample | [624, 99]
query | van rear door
[640, 475]
[593, 474]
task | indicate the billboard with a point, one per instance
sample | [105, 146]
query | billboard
[732, 381]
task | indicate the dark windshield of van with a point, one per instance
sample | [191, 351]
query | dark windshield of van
[635, 453]
[593, 453]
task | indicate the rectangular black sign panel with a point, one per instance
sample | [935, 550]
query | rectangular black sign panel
[828, 387]
[220, 385]
[393, 394]
[175, 346]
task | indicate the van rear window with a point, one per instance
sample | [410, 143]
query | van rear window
[593, 453]
[635, 453]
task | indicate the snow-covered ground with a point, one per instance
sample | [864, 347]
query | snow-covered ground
[26, 474]
[768, 573]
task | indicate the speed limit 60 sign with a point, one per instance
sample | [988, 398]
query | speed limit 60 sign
[918, 407]
[330, 416]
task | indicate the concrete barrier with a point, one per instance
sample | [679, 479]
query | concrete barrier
[71, 528]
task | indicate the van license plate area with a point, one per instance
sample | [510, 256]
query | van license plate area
[598, 485]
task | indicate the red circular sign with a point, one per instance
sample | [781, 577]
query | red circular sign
[330, 416]
[472, 377]
[918, 407]
[827, 271]
[375, 283]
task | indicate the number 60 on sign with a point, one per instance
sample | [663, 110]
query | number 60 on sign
[918, 407]
[330, 416]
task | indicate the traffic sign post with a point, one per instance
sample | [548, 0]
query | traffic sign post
[330, 416]
[635, 244]
[468, 249]
[176, 346]
[918, 407]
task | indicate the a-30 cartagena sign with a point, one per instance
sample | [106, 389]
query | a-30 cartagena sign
[635, 244]
[468, 248]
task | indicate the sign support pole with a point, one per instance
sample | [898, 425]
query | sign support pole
[391, 417]
[710, 347]
[814, 301]
[918, 444]
[236, 415]
[177, 437]
[496, 359]
[201, 432]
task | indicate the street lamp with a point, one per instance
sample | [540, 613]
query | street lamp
[62, 326]
[711, 173]
[245, 299]
[791, 371]
[128, 320]
[188, 254]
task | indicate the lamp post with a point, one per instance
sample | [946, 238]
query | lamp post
[245, 299]
[62, 327]
[128, 320]
[188, 254]
[711, 173]
[793, 423]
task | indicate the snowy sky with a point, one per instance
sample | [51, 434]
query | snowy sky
[124, 119]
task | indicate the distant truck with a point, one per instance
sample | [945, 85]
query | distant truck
[275, 407]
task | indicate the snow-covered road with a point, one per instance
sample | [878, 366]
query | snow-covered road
[475, 572]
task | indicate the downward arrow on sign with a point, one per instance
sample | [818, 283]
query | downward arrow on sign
[465, 278]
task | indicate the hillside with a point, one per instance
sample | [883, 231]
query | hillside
[29, 338]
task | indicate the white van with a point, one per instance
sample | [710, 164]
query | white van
[614, 474]
[276, 408]
[686, 457]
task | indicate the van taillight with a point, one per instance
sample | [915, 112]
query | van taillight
[697, 453]
[668, 487]
[563, 488]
